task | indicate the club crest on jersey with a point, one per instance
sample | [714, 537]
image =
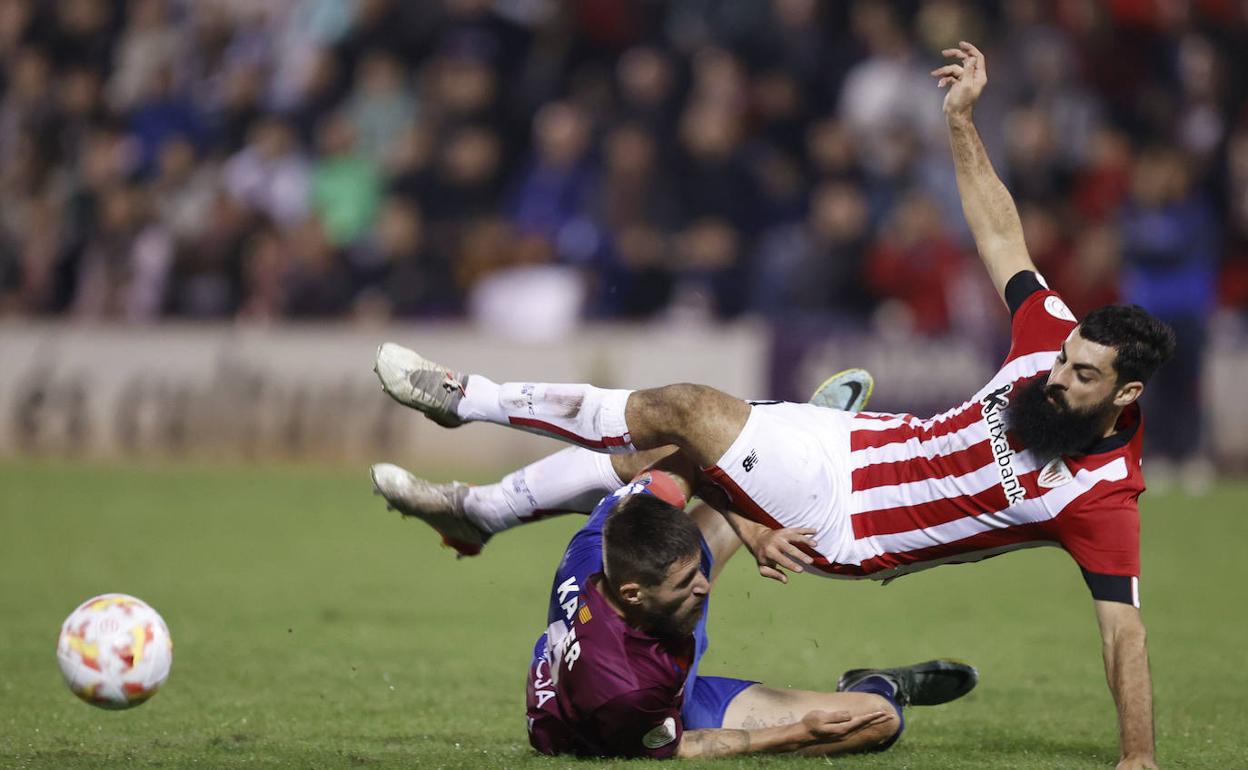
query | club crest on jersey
[992, 407]
[1058, 309]
[1055, 474]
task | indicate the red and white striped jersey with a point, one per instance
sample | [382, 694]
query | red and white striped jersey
[958, 487]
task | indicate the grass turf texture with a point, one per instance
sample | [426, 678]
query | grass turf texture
[314, 630]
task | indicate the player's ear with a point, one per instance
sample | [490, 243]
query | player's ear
[629, 594]
[1128, 393]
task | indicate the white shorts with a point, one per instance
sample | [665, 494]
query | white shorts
[789, 467]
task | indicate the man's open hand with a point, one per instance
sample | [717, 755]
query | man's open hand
[833, 726]
[966, 78]
[777, 549]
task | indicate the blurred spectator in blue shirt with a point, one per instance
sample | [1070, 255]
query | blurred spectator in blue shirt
[1170, 249]
[554, 189]
[815, 266]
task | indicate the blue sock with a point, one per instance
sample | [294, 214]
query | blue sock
[878, 685]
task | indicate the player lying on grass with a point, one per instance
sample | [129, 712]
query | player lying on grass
[616, 672]
[1046, 453]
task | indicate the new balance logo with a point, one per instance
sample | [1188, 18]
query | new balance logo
[750, 461]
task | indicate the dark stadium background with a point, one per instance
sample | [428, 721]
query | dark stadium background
[212, 211]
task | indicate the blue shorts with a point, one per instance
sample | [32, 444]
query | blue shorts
[706, 697]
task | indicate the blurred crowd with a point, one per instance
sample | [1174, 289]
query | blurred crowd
[535, 160]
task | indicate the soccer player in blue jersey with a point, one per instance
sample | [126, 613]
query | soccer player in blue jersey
[616, 672]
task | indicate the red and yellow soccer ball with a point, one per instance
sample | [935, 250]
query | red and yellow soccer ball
[115, 651]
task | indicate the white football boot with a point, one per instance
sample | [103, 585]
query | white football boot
[417, 382]
[848, 391]
[441, 506]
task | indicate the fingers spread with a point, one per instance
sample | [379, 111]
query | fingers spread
[772, 573]
[783, 560]
[799, 554]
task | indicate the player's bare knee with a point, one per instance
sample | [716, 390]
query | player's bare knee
[669, 412]
[688, 415]
[883, 735]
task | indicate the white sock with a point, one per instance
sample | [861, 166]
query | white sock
[571, 480]
[580, 414]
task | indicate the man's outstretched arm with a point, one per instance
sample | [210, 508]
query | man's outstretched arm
[1125, 649]
[986, 203]
[817, 729]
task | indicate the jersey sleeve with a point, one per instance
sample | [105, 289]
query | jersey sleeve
[1041, 320]
[1104, 540]
[1113, 588]
[642, 723]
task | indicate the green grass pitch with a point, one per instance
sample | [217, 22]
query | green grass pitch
[314, 630]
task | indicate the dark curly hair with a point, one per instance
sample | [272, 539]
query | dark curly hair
[1143, 341]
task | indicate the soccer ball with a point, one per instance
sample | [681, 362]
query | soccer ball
[114, 651]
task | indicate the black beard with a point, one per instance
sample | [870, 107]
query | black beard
[1050, 430]
[665, 626]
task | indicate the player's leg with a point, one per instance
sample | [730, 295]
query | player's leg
[571, 480]
[859, 691]
[697, 418]
[759, 706]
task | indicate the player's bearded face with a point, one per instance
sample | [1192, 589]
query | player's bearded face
[673, 607]
[1042, 418]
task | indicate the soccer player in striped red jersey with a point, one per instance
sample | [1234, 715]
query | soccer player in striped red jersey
[1046, 453]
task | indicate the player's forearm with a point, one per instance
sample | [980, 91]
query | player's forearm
[747, 530]
[987, 204]
[711, 743]
[1126, 669]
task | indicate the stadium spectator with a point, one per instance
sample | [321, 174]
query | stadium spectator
[747, 108]
[125, 269]
[1233, 283]
[719, 203]
[381, 108]
[638, 209]
[916, 266]
[147, 50]
[163, 113]
[460, 191]
[553, 190]
[816, 265]
[345, 185]
[398, 273]
[1170, 268]
[317, 283]
[270, 174]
